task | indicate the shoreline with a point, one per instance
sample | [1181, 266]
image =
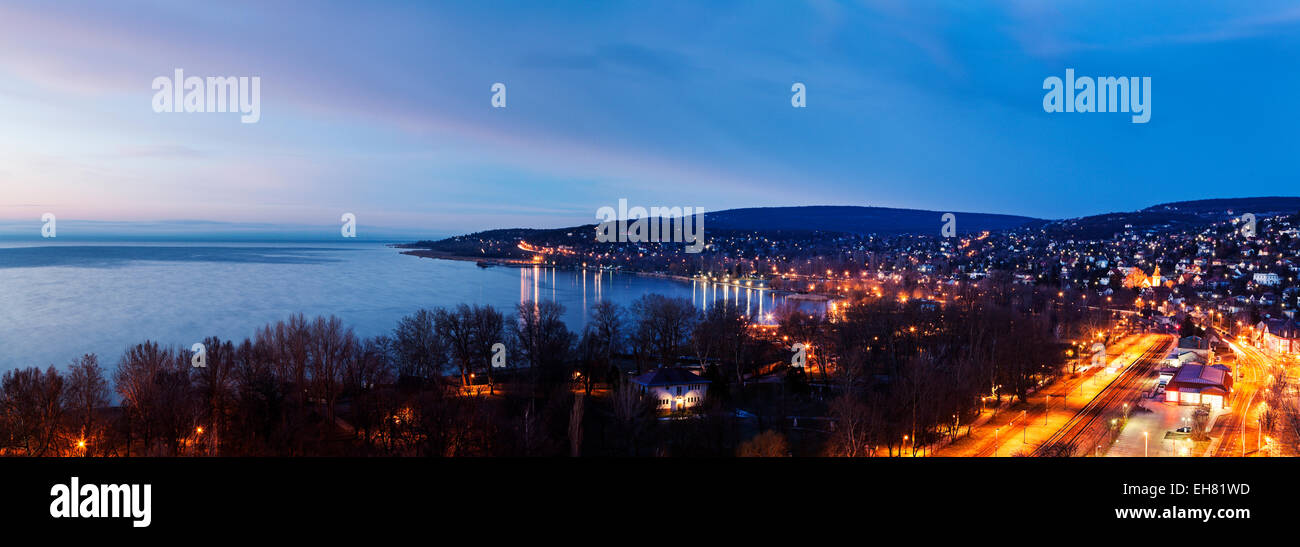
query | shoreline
[443, 255]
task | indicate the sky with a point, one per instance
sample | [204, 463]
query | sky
[384, 109]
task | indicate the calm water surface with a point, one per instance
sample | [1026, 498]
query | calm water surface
[59, 301]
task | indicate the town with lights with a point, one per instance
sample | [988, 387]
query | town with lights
[1166, 332]
[1169, 331]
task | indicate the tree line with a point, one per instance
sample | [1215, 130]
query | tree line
[882, 373]
[307, 386]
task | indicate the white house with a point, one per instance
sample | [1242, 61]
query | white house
[1179, 357]
[1270, 279]
[673, 389]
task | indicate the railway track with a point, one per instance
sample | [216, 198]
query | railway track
[1035, 414]
[1236, 428]
[1067, 440]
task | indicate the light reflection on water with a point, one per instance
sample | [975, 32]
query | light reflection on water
[59, 301]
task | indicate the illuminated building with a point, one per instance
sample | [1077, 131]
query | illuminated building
[673, 389]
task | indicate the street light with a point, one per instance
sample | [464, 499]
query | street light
[1145, 437]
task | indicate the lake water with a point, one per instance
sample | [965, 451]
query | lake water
[59, 301]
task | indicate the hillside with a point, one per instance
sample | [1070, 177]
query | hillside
[855, 220]
[843, 219]
[1173, 215]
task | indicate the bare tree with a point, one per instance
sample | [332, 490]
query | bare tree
[575, 425]
[607, 320]
[366, 372]
[30, 401]
[768, 444]
[631, 415]
[176, 404]
[136, 382]
[542, 339]
[293, 341]
[454, 330]
[420, 352]
[215, 385]
[806, 328]
[87, 390]
[332, 346]
[853, 427]
[486, 329]
[723, 334]
[666, 322]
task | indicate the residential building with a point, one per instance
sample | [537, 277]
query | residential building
[673, 389]
[1281, 336]
[1270, 279]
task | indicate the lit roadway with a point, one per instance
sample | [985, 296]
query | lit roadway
[1005, 444]
[1083, 431]
[1013, 431]
[1254, 372]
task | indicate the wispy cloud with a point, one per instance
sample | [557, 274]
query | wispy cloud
[160, 151]
[384, 111]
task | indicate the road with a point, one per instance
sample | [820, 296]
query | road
[1086, 428]
[1254, 371]
[1018, 430]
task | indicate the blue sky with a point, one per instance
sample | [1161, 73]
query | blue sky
[383, 109]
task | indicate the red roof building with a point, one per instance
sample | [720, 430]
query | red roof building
[1200, 384]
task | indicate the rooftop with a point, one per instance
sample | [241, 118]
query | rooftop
[1209, 379]
[1283, 328]
[669, 377]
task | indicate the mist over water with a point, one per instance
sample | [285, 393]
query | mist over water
[60, 301]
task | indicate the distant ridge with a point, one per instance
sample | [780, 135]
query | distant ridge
[1260, 205]
[1178, 214]
[856, 220]
[886, 221]
[789, 221]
